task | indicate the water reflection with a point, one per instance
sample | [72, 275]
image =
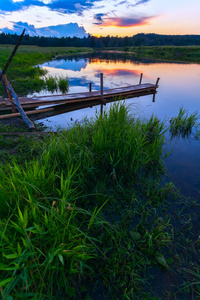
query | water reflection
[178, 86]
[70, 64]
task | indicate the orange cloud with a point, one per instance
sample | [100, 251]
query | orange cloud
[125, 22]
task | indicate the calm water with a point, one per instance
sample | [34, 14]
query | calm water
[179, 86]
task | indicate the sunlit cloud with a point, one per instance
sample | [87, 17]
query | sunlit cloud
[124, 22]
[72, 29]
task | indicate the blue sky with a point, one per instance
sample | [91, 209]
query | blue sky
[106, 17]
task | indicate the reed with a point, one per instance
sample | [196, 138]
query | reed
[63, 84]
[51, 83]
[80, 217]
[182, 125]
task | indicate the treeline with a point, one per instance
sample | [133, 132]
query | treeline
[141, 39]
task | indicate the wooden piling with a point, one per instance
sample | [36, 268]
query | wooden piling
[12, 54]
[154, 94]
[101, 85]
[19, 107]
[141, 75]
[90, 87]
[5, 82]
[157, 82]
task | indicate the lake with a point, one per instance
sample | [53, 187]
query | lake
[179, 86]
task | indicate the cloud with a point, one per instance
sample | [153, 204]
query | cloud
[98, 18]
[125, 22]
[141, 2]
[130, 3]
[69, 30]
[72, 6]
[11, 6]
[63, 6]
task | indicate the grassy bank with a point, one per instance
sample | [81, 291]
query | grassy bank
[169, 53]
[84, 213]
[189, 54]
[23, 74]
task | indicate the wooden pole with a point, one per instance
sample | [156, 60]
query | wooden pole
[90, 87]
[4, 86]
[157, 82]
[12, 55]
[20, 109]
[101, 109]
[101, 85]
[31, 112]
[141, 75]
[154, 94]
[5, 81]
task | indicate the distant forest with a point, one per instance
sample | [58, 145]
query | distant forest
[141, 39]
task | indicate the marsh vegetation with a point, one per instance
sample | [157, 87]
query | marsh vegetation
[90, 212]
[86, 213]
[167, 53]
[24, 74]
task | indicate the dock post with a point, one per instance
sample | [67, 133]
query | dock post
[154, 94]
[5, 82]
[141, 75]
[101, 85]
[157, 82]
[90, 87]
[4, 86]
[101, 109]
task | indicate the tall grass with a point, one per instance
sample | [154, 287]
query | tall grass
[25, 77]
[77, 219]
[63, 84]
[182, 125]
[54, 83]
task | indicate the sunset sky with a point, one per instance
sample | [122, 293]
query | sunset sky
[106, 17]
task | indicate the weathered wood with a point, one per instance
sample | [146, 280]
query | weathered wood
[32, 112]
[4, 86]
[101, 85]
[123, 92]
[12, 54]
[157, 81]
[5, 81]
[69, 107]
[126, 92]
[28, 133]
[71, 102]
[154, 94]
[90, 87]
[141, 75]
[101, 109]
[20, 109]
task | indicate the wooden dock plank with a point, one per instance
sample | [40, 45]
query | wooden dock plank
[129, 91]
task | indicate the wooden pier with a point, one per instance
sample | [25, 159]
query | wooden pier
[57, 104]
[108, 95]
